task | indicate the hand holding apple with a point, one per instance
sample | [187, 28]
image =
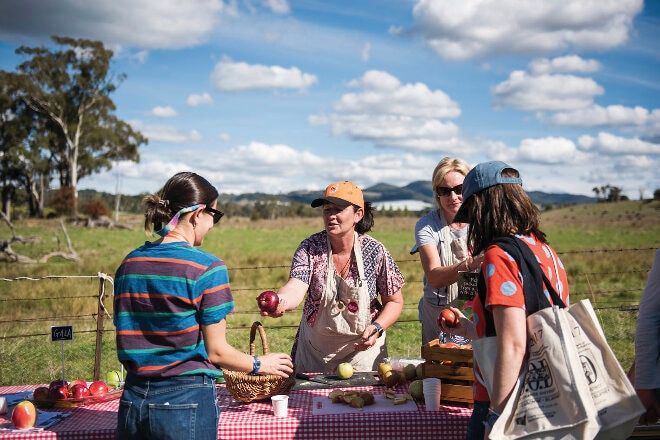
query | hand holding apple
[450, 318]
[462, 326]
[268, 301]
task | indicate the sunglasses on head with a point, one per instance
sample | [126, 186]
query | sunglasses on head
[445, 190]
[217, 215]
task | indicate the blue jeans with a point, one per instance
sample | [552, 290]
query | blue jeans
[182, 407]
[476, 428]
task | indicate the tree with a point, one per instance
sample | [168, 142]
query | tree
[22, 137]
[71, 89]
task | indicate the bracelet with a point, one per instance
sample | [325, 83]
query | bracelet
[379, 328]
[255, 365]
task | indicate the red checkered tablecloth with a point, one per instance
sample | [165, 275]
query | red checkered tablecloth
[255, 421]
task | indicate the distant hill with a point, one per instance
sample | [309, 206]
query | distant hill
[416, 196]
[384, 192]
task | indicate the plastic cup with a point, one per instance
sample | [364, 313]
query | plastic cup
[431, 387]
[3, 405]
[280, 405]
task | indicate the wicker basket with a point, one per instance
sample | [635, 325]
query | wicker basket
[248, 388]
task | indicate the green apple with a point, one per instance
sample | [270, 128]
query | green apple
[113, 378]
[416, 389]
[410, 371]
[345, 370]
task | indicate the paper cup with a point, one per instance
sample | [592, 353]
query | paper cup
[3, 405]
[280, 405]
[431, 387]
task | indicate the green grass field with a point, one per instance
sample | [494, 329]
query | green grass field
[606, 248]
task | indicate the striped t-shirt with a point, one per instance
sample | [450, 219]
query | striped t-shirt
[163, 295]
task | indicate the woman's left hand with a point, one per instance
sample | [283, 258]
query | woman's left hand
[368, 338]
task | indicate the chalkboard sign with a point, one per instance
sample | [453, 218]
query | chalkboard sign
[467, 285]
[61, 333]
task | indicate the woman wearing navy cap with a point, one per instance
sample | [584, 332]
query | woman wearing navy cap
[495, 205]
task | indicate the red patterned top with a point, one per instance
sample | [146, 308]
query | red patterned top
[310, 263]
[504, 285]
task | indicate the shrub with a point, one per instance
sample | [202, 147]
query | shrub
[95, 208]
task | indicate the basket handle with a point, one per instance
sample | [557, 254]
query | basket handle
[262, 333]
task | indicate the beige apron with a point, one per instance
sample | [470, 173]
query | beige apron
[343, 315]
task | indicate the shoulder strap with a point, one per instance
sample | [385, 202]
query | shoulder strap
[533, 280]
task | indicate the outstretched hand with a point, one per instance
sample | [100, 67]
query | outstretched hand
[464, 328]
[278, 364]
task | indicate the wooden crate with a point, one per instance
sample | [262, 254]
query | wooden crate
[454, 366]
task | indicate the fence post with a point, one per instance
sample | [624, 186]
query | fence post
[100, 313]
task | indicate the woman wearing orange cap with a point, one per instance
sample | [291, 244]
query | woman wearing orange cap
[340, 273]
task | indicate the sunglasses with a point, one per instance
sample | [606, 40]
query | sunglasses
[217, 215]
[445, 190]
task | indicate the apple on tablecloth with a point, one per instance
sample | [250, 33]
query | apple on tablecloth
[98, 388]
[24, 415]
[40, 393]
[79, 391]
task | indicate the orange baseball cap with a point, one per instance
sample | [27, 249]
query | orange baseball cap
[341, 193]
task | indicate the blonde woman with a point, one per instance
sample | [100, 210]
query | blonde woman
[442, 246]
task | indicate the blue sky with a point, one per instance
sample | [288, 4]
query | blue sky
[282, 95]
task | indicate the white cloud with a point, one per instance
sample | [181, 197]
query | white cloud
[549, 150]
[612, 115]
[570, 63]
[366, 51]
[384, 94]
[261, 167]
[523, 91]
[392, 114]
[280, 7]
[607, 143]
[194, 99]
[149, 24]
[483, 28]
[166, 133]
[232, 76]
[162, 112]
[140, 56]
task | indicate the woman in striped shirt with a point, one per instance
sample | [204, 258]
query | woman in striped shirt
[171, 301]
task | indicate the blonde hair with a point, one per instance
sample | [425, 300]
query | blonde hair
[445, 166]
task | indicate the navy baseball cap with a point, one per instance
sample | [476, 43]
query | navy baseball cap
[482, 176]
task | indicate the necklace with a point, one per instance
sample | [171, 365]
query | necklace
[347, 266]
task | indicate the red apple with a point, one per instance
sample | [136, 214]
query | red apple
[24, 415]
[98, 388]
[74, 383]
[58, 393]
[58, 383]
[79, 391]
[268, 301]
[451, 319]
[40, 393]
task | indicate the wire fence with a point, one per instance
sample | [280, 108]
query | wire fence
[91, 312]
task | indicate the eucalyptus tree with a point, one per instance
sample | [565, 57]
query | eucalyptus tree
[25, 164]
[69, 87]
